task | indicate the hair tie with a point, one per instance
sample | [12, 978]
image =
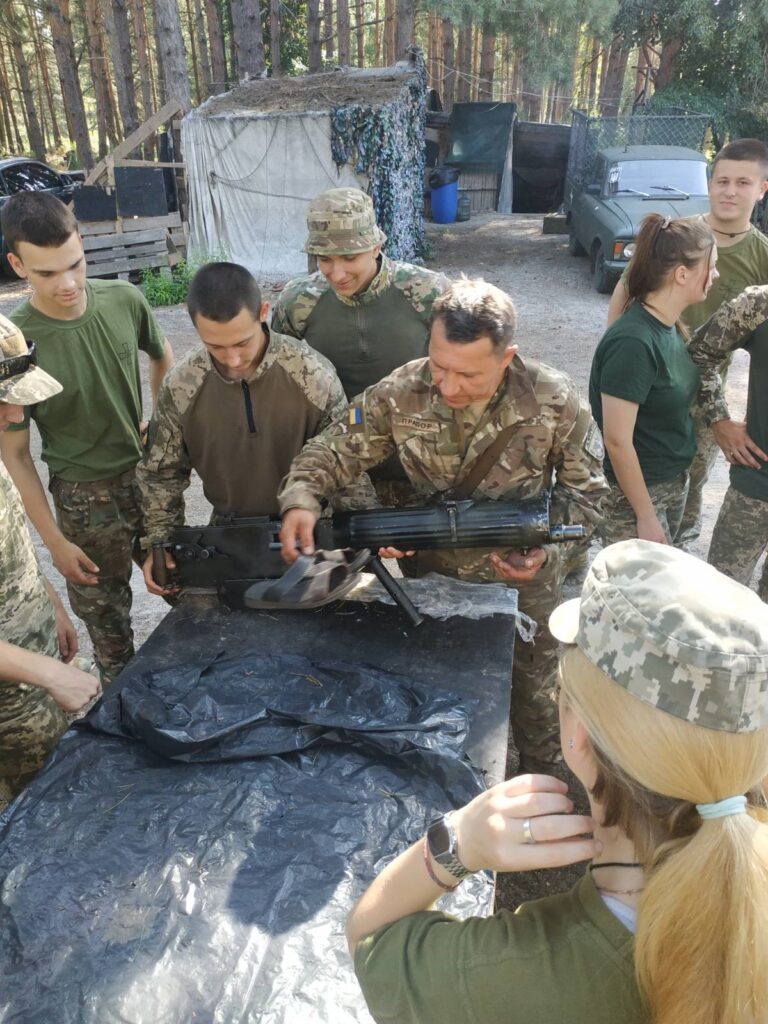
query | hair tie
[665, 223]
[723, 808]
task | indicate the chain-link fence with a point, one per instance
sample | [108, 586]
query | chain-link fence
[591, 134]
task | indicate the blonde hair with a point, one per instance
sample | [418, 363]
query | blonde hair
[701, 948]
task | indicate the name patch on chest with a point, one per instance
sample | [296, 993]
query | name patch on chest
[416, 425]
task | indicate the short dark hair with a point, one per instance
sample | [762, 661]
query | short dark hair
[471, 308]
[219, 291]
[744, 149]
[38, 218]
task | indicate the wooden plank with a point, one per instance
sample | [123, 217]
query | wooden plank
[129, 254]
[125, 266]
[170, 220]
[148, 163]
[122, 149]
[123, 239]
[97, 227]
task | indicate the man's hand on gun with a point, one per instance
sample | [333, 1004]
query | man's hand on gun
[152, 586]
[519, 566]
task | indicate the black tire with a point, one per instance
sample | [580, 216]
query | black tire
[605, 280]
[575, 248]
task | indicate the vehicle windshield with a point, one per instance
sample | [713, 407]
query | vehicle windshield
[659, 178]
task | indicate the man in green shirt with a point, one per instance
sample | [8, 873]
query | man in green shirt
[738, 180]
[88, 335]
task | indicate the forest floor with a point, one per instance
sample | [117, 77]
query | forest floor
[561, 319]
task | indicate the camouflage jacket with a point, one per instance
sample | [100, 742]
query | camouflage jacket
[728, 328]
[365, 336]
[238, 435]
[557, 445]
[26, 612]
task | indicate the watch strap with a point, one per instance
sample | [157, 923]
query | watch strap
[448, 859]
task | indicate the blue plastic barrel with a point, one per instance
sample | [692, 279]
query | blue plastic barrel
[444, 203]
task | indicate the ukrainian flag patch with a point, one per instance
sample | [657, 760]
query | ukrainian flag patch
[355, 418]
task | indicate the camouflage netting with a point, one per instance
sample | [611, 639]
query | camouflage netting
[387, 144]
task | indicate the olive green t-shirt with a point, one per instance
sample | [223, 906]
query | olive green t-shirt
[90, 431]
[561, 960]
[741, 265]
[642, 360]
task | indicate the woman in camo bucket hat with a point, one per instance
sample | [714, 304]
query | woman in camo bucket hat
[664, 721]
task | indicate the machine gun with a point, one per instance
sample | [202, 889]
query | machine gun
[233, 553]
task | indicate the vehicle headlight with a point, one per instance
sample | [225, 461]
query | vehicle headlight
[623, 250]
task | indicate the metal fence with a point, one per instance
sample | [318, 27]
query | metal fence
[591, 134]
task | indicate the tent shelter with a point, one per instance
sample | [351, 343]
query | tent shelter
[257, 155]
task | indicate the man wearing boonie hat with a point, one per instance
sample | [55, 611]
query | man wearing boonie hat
[366, 313]
[36, 688]
[673, 632]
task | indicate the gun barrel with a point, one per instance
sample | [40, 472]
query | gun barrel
[462, 524]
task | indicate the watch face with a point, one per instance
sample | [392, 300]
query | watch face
[438, 838]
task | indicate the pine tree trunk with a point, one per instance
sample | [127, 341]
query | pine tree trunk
[668, 61]
[34, 132]
[193, 49]
[464, 63]
[328, 33]
[342, 30]
[64, 48]
[448, 65]
[389, 32]
[145, 66]
[275, 32]
[377, 34]
[487, 64]
[314, 48]
[610, 94]
[218, 56]
[360, 33]
[8, 105]
[42, 67]
[173, 59]
[594, 68]
[98, 63]
[16, 87]
[475, 63]
[202, 49]
[122, 58]
[405, 27]
[249, 41]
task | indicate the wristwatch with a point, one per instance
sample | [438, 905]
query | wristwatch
[443, 847]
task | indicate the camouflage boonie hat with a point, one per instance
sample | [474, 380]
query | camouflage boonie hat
[342, 222]
[674, 632]
[20, 382]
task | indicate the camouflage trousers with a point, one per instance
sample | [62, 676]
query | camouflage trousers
[740, 537]
[30, 727]
[703, 461]
[534, 715]
[103, 517]
[619, 519]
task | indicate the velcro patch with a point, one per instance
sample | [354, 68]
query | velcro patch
[593, 442]
[416, 425]
[355, 419]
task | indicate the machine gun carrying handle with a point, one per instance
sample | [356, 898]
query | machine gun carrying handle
[159, 568]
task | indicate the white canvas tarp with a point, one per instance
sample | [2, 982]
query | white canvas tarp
[251, 178]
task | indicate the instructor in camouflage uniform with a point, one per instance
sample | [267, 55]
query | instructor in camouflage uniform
[367, 313]
[236, 411]
[472, 398]
[741, 532]
[36, 688]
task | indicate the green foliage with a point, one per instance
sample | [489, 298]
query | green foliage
[162, 290]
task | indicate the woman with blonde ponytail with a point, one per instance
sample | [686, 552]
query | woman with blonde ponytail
[643, 381]
[664, 721]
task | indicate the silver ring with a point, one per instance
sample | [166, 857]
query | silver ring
[527, 834]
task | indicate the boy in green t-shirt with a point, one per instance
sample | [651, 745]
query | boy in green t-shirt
[88, 335]
[739, 178]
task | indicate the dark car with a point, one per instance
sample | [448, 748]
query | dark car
[18, 174]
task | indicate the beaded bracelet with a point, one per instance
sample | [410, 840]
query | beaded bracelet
[431, 873]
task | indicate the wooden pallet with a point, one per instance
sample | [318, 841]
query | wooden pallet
[128, 252]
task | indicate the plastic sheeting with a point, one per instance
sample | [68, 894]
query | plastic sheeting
[191, 854]
[251, 178]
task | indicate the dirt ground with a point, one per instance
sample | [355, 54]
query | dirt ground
[561, 319]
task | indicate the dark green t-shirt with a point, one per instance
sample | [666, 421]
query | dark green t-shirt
[91, 430]
[642, 360]
[754, 482]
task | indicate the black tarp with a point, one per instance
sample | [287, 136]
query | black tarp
[191, 852]
[480, 133]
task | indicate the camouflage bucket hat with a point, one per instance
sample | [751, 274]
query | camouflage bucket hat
[21, 382]
[675, 633]
[342, 222]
